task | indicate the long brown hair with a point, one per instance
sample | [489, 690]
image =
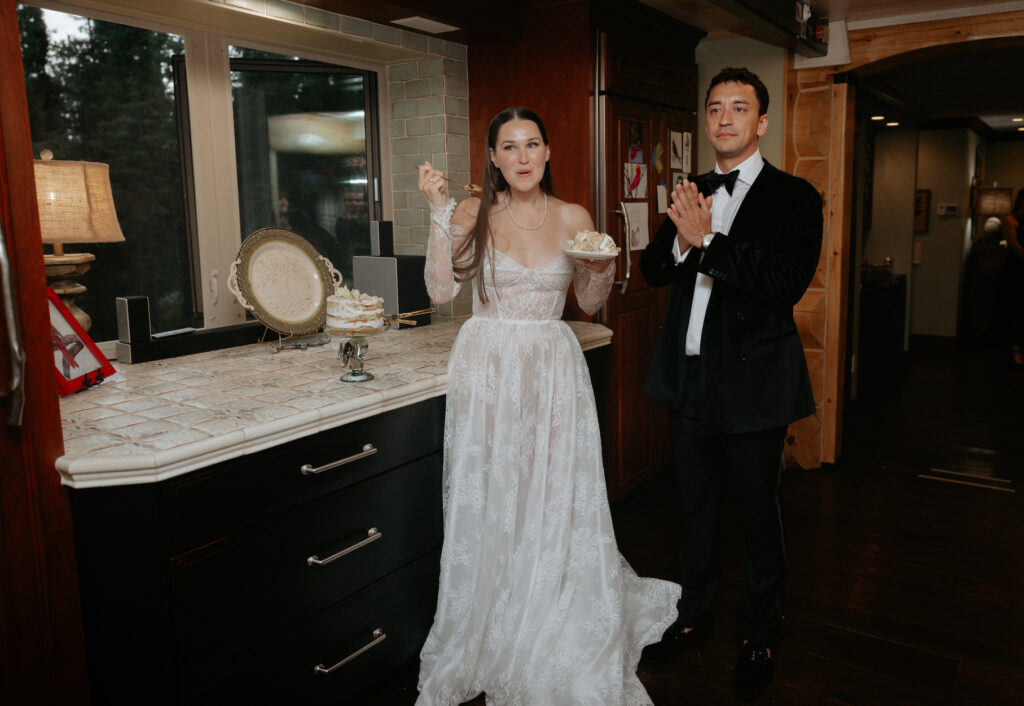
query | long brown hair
[466, 267]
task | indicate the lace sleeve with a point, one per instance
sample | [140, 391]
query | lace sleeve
[592, 288]
[438, 272]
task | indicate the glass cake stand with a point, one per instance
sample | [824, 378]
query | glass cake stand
[352, 351]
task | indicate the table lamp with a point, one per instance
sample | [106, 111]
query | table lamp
[75, 206]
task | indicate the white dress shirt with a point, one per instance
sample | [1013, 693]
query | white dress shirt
[723, 210]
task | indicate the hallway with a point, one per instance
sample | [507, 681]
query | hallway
[902, 588]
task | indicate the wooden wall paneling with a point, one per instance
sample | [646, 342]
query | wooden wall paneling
[649, 57]
[837, 251]
[548, 70]
[812, 108]
[811, 317]
[42, 653]
[870, 45]
[816, 368]
[656, 71]
[807, 151]
[632, 454]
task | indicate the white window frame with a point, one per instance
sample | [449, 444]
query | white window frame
[208, 31]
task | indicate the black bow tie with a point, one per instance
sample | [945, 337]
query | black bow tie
[712, 180]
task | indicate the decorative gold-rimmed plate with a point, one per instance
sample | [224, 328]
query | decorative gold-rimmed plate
[282, 279]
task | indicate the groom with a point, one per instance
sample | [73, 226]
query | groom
[739, 246]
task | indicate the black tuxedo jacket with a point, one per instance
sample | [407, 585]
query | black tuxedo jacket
[753, 371]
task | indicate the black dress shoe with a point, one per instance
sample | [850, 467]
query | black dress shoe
[676, 639]
[753, 671]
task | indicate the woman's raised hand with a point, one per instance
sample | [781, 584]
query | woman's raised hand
[431, 183]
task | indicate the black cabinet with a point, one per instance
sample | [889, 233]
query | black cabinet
[236, 582]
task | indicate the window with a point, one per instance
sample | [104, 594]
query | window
[304, 156]
[302, 152]
[104, 92]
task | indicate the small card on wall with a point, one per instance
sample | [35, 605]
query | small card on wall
[634, 184]
[662, 199]
[639, 232]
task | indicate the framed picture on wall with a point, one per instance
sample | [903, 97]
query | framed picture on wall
[922, 199]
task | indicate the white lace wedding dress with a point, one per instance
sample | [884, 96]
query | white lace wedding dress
[536, 605]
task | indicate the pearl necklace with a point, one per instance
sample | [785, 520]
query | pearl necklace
[508, 207]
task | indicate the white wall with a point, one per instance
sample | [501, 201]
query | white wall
[1005, 164]
[942, 157]
[765, 60]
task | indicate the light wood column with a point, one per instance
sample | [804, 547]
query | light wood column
[808, 154]
[818, 146]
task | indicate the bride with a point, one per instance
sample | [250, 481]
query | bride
[536, 605]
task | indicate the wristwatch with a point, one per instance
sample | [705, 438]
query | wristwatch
[706, 240]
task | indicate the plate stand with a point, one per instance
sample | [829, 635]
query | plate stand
[301, 342]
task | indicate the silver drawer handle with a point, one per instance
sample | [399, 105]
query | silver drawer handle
[368, 450]
[378, 637]
[372, 535]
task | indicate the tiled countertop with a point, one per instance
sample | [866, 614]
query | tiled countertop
[157, 420]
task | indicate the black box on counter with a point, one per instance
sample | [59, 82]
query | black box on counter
[186, 341]
[133, 319]
[382, 238]
[397, 279]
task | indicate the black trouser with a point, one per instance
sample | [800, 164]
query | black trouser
[749, 466]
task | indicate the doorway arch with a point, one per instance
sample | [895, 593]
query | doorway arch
[818, 146]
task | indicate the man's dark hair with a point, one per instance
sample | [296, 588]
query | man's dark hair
[741, 75]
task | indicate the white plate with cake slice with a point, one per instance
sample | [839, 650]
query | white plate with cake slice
[592, 245]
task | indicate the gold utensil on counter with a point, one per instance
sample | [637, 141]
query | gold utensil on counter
[403, 318]
[472, 189]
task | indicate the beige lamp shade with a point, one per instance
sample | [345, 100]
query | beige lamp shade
[75, 202]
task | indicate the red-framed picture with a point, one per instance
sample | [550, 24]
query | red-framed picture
[77, 361]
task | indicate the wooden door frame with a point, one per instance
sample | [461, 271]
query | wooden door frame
[41, 639]
[818, 146]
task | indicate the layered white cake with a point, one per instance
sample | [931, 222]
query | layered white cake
[354, 312]
[592, 241]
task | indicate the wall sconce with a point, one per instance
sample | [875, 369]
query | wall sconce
[75, 206]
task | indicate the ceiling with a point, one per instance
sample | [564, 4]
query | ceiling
[707, 15]
[937, 86]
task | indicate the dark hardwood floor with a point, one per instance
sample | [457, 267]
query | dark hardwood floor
[905, 560]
